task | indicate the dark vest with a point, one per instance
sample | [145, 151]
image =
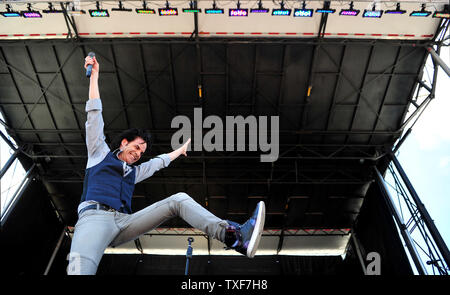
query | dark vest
[107, 183]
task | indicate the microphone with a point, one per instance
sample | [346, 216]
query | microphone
[89, 67]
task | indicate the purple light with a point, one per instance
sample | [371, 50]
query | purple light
[349, 12]
[31, 14]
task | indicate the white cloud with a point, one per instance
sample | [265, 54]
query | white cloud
[444, 162]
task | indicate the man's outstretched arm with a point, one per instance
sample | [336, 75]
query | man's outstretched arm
[95, 139]
[147, 169]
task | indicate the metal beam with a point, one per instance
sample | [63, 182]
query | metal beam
[400, 223]
[423, 211]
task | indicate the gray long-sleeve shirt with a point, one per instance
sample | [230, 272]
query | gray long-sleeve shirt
[98, 149]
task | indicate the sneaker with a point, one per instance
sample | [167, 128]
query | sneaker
[245, 238]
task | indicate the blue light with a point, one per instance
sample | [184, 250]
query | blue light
[214, 11]
[303, 12]
[10, 14]
[420, 13]
[322, 10]
[282, 12]
[258, 10]
[373, 13]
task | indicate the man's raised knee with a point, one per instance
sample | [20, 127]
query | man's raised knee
[181, 196]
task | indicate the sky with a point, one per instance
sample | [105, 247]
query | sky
[425, 155]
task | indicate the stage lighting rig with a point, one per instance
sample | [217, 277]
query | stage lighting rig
[98, 12]
[168, 11]
[281, 11]
[350, 11]
[192, 8]
[260, 8]
[9, 12]
[303, 12]
[326, 8]
[31, 13]
[51, 9]
[144, 9]
[214, 9]
[372, 13]
[121, 8]
[396, 11]
[445, 13]
[238, 11]
[421, 13]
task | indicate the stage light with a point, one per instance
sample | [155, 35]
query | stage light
[51, 9]
[214, 9]
[326, 8]
[144, 9]
[31, 13]
[303, 12]
[98, 12]
[260, 9]
[281, 11]
[372, 13]
[396, 11]
[421, 13]
[192, 8]
[350, 11]
[238, 11]
[121, 8]
[322, 10]
[168, 11]
[9, 12]
[442, 14]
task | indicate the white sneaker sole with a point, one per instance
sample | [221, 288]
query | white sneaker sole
[257, 231]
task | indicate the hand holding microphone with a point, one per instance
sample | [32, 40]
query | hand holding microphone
[91, 64]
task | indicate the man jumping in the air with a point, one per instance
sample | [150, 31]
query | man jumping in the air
[104, 214]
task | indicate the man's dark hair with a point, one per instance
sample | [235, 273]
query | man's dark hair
[130, 135]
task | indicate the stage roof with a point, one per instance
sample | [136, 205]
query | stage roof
[341, 101]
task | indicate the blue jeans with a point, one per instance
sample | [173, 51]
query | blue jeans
[98, 229]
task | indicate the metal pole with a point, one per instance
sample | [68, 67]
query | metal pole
[423, 212]
[358, 252]
[58, 245]
[439, 60]
[13, 200]
[9, 163]
[188, 255]
[403, 229]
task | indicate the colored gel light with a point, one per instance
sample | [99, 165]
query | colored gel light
[99, 13]
[441, 14]
[257, 10]
[10, 14]
[373, 13]
[284, 12]
[145, 11]
[168, 11]
[238, 12]
[31, 14]
[52, 11]
[191, 10]
[321, 10]
[395, 11]
[214, 11]
[303, 12]
[349, 12]
[420, 13]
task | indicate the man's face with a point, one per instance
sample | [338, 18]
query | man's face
[132, 150]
